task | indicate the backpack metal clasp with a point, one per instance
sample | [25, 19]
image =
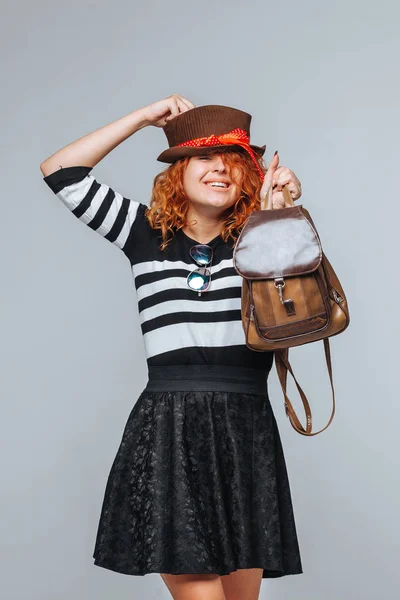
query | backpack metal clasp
[288, 304]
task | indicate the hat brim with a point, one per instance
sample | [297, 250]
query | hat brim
[176, 152]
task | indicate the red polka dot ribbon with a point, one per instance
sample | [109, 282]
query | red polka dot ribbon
[237, 136]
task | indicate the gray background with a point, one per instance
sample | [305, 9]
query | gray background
[321, 81]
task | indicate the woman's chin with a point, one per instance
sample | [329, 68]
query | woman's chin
[218, 206]
[218, 200]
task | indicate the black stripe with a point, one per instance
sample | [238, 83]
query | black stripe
[146, 278]
[103, 208]
[219, 355]
[85, 203]
[119, 221]
[190, 317]
[137, 226]
[152, 277]
[167, 295]
[66, 176]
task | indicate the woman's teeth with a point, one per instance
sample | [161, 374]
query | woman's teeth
[218, 184]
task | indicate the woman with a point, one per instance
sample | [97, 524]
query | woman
[198, 490]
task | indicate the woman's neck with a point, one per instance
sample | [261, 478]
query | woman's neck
[202, 233]
[201, 228]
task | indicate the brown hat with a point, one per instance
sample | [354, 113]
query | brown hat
[205, 129]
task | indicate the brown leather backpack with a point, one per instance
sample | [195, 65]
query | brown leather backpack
[291, 294]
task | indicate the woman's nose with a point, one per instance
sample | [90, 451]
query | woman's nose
[219, 166]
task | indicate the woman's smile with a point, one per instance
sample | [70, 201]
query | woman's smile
[219, 187]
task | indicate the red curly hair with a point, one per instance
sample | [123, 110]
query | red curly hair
[169, 205]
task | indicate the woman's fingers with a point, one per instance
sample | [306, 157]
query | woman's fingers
[285, 176]
[270, 176]
[292, 186]
[161, 112]
[278, 201]
[173, 108]
[279, 177]
[177, 105]
[186, 101]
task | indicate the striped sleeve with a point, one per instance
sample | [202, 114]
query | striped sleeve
[96, 204]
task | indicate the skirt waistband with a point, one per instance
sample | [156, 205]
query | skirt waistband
[207, 378]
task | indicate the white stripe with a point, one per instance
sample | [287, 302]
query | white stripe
[196, 306]
[73, 195]
[179, 283]
[150, 266]
[193, 335]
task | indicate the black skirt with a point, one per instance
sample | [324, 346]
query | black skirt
[199, 482]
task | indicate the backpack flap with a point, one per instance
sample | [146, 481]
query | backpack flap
[277, 243]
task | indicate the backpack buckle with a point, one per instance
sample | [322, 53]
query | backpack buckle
[288, 304]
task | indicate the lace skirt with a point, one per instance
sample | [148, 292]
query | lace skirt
[199, 481]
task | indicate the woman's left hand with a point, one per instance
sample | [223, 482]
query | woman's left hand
[280, 176]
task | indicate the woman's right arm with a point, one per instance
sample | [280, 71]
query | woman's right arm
[93, 147]
[67, 171]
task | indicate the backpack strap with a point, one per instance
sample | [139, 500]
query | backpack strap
[283, 366]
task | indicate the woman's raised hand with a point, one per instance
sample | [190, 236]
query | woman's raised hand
[159, 113]
[278, 177]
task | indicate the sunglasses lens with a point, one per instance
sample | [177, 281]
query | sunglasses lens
[199, 280]
[202, 255]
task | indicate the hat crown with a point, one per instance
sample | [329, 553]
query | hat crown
[203, 121]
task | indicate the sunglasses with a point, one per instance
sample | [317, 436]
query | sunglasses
[199, 280]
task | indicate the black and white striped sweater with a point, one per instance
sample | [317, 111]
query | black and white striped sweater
[178, 326]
